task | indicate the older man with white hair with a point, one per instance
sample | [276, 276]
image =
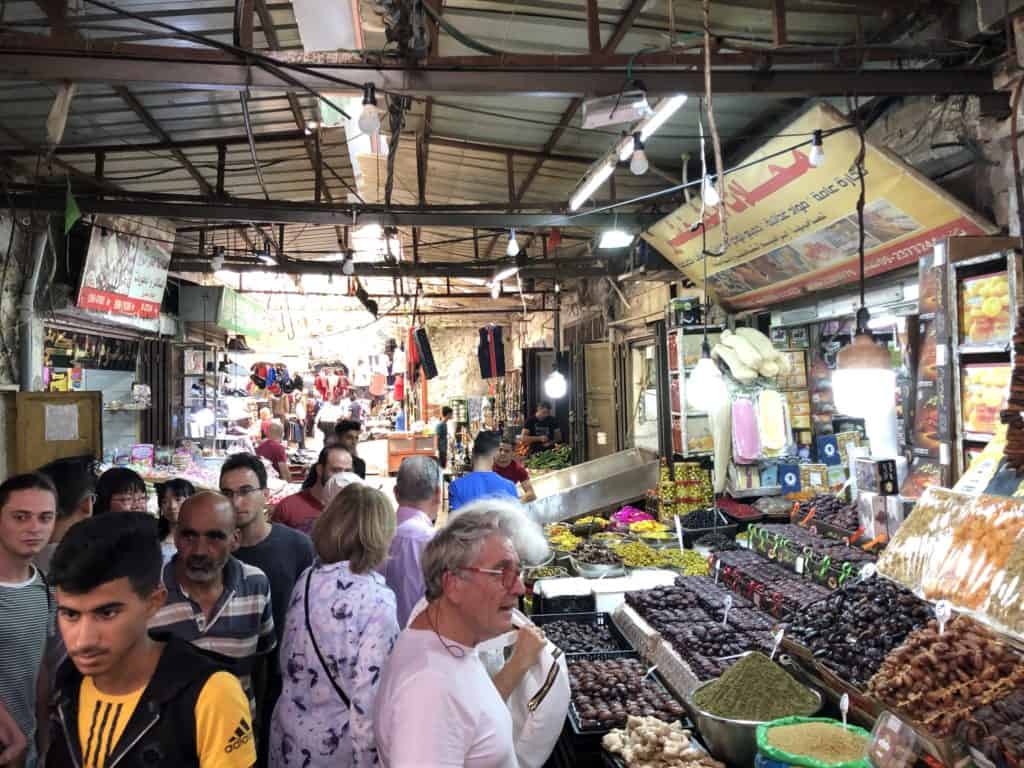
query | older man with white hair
[437, 704]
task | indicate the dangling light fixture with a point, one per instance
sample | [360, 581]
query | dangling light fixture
[864, 383]
[513, 244]
[817, 150]
[369, 117]
[705, 387]
[709, 192]
[638, 164]
[555, 385]
[495, 289]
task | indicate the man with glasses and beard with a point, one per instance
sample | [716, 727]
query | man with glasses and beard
[215, 601]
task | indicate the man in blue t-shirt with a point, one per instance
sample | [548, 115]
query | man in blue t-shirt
[483, 481]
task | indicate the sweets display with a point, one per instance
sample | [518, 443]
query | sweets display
[691, 488]
[965, 549]
[939, 679]
[855, 628]
[648, 742]
[757, 689]
[606, 691]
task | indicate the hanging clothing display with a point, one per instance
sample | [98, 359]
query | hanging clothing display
[426, 356]
[491, 352]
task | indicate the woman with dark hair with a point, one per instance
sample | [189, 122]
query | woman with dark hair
[169, 497]
[120, 490]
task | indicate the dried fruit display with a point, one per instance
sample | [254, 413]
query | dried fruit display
[939, 679]
[965, 549]
[606, 691]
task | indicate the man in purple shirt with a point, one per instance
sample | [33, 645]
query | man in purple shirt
[418, 491]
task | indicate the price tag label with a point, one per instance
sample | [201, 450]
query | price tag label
[943, 612]
[728, 607]
[868, 571]
[844, 706]
[778, 641]
[679, 532]
[718, 568]
[799, 565]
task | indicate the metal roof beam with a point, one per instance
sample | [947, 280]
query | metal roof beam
[406, 269]
[181, 67]
[278, 212]
[154, 127]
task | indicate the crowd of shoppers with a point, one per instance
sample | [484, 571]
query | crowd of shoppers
[220, 633]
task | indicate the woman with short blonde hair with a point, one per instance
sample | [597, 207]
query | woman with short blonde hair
[340, 630]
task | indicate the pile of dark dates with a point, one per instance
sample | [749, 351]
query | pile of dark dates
[596, 553]
[689, 616]
[997, 730]
[576, 637]
[855, 628]
[832, 510]
[717, 542]
[606, 691]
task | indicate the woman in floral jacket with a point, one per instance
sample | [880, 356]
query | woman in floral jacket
[340, 630]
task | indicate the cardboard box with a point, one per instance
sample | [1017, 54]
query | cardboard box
[875, 513]
[814, 477]
[828, 450]
[985, 309]
[986, 388]
[877, 476]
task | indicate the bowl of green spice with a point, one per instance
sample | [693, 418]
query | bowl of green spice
[754, 690]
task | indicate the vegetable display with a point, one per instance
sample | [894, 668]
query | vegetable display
[558, 457]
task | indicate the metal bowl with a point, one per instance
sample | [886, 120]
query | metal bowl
[732, 741]
[593, 571]
[541, 563]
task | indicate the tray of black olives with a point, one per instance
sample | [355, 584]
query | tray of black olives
[606, 689]
[582, 632]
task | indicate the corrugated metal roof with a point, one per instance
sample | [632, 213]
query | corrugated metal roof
[455, 174]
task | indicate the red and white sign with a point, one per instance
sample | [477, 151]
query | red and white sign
[126, 267]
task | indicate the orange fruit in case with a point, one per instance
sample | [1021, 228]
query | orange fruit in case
[985, 305]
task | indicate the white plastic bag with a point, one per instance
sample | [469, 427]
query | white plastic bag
[539, 704]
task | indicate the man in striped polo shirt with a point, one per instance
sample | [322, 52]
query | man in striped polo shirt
[28, 508]
[215, 601]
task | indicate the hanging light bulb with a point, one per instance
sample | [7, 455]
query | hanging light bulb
[638, 162]
[555, 386]
[369, 118]
[348, 267]
[495, 289]
[710, 193]
[705, 387]
[513, 244]
[817, 150]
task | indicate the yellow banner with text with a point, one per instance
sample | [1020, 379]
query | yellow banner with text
[792, 228]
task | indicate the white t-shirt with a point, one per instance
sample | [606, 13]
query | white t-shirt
[433, 709]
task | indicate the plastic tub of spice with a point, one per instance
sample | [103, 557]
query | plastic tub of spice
[753, 691]
[811, 742]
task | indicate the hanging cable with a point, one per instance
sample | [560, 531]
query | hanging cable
[715, 140]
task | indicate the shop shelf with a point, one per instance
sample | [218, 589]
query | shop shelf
[985, 349]
[755, 493]
[593, 619]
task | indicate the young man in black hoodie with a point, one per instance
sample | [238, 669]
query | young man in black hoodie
[124, 697]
